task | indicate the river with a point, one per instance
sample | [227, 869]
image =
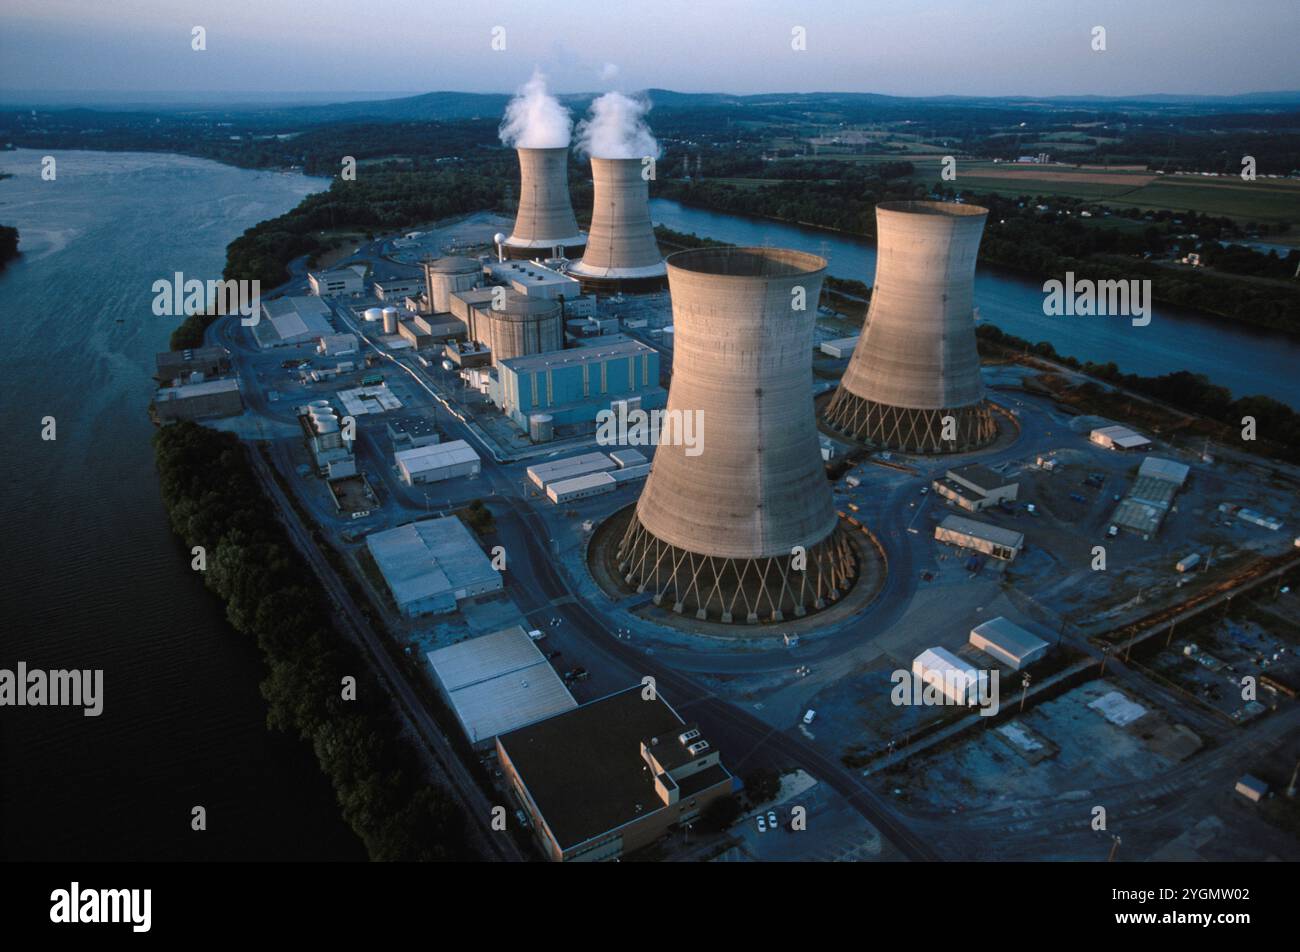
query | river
[1245, 360]
[93, 577]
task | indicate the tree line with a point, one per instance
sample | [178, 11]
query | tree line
[213, 500]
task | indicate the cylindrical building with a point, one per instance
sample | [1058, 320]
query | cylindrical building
[443, 276]
[521, 325]
[545, 218]
[622, 253]
[390, 320]
[736, 519]
[914, 384]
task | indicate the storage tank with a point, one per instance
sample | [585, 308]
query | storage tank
[621, 253]
[741, 525]
[373, 314]
[545, 217]
[390, 320]
[916, 363]
[541, 427]
[444, 276]
[522, 325]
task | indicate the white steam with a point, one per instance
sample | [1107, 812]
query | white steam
[535, 119]
[616, 129]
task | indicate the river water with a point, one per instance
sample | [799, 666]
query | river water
[92, 576]
[1244, 360]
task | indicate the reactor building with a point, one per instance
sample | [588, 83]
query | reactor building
[914, 384]
[740, 525]
[545, 220]
[622, 253]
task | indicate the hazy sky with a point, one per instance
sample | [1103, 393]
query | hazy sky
[902, 47]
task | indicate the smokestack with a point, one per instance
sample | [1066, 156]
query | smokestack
[621, 248]
[741, 524]
[545, 219]
[914, 381]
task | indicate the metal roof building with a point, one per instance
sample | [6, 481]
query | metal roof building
[1169, 470]
[1118, 438]
[580, 487]
[431, 565]
[980, 536]
[498, 682]
[436, 462]
[1008, 642]
[543, 474]
[290, 321]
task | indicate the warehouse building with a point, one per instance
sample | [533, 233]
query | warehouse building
[292, 322]
[497, 683]
[434, 463]
[1155, 467]
[395, 290]
[198, 401]
[180, 364]
[991, 540]
[580, 487]
[337, 281]
[957, 679]
[1143, 509]
[612, 776]
[543, 474]
[1119, 438]
[574, 385]
[1008, 643]
[976, 487]
[411, 432]
[337, 345]
[840, 348]
[431, 565]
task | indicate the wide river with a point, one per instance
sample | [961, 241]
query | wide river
[92, 576]
[1244, 360]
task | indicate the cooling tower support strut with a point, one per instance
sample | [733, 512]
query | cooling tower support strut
[910, 430]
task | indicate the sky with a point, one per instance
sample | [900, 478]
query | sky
[902, 47]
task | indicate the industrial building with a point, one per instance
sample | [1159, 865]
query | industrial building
[543, 474]
[580, 487]
[445, 276]
[337, 281]
[436, 462]
[467, 354]
[840, 348]
[292, 321]
[622, 253]
[611, 776]
[534, 280]
[517, 326]
[1144, 507]
[375, 398]
[181, 364]
[1169, 470]
[462, 302]
[337, 345]
[1008, 642]
[545, 221]
[995, 541]
[431, 565]
[744, 527]
[397, 289]
[330, 450]
[572, 386]
[1118, 438]
[198, 401]
[497, 683]
[914, 385]
[976, 487]
[956, 679]
[411, 432]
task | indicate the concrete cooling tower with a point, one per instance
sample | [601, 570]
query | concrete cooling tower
[545, 219]
[742, 526]
[622, 253]
[916, 362]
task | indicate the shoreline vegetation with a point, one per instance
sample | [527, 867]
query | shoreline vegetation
[214, 500]
[8, 245]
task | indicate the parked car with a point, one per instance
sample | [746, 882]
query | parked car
[808, 718]
[762, 824]
[771, 819]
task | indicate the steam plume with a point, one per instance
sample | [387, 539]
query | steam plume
[535, 119]
[616, 129]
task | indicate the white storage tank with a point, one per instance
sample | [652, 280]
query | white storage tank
[373, 314]
[541, 427]
[390, 320]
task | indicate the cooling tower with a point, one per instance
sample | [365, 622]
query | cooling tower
[622, 253]
[916, 364]
[545, 219]
[740, 526]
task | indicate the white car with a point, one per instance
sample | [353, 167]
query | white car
[808, 718]
[762, 824]
[771, 819]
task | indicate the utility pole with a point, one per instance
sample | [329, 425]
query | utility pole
[1172, 625]
[1290, 790]
[1024, 682]
[1105, 653]
[1114, 848]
